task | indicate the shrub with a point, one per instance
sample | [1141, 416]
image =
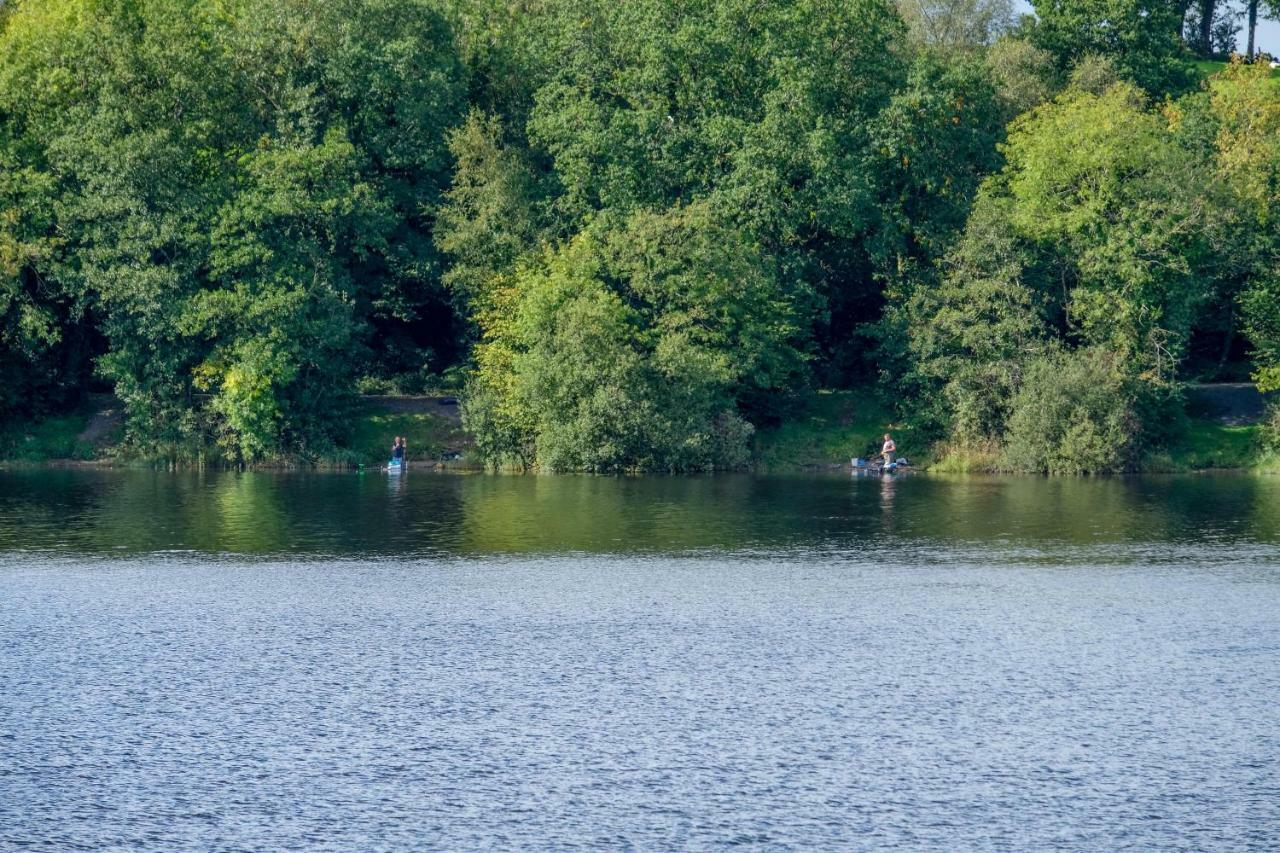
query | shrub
[1075, 413]
[1269, 429]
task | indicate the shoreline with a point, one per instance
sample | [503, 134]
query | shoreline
[819, 433]
[458, 467]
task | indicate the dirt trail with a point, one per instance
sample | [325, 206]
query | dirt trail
[105, 422]
[1231, 403]
[443, 407]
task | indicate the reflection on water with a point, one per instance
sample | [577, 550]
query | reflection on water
[432, 515]
[343, 662]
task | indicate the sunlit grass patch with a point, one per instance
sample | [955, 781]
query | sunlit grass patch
[1207, 444]
[829, 429]
[1209, 67]
[428, 436]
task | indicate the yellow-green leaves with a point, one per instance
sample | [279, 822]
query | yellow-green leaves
[1246, 102]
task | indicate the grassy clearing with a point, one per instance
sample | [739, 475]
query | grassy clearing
[55, 437]
[1209, 67]
[835, 425]
[428, 436]
[831, 428]
[1208, 444]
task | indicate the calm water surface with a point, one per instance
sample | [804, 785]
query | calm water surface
[345, 662]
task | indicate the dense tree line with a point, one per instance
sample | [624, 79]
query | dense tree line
[636, 228]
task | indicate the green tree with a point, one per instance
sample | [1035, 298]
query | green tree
[969, 337]
[78, 86]
[765, 110]
[490, 215]
[281, 326]
[273, 162]
[1075, 412]
[1101, 181]
[1247, 162]
[956, 24]
[1024, 75]
[1087, 252]
[938, 138]
[388, 73]
[41, 364]
[632, 347]
[1143, 38]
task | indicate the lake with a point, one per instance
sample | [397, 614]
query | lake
[221, 661]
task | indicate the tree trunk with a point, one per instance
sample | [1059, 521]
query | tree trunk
[1183, 6]
[1253, 25]
[1207, 8]
[1229, 339]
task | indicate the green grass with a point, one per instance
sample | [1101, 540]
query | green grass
[1208, 444]
[1209, 67]
[52, 438]
[830, 429]
[969, 460]
[427, 435]
[836, 425]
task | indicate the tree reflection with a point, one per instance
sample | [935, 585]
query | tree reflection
[439, 515]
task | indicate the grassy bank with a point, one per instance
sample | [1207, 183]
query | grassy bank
[822, 432]
[50, 439]
[92, 434]
[1209, 67]
[1208, 445]
[827, 429]
[836, 425]
[430, 436]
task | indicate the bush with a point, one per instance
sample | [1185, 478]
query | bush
[1075, 413]
[1269, 429]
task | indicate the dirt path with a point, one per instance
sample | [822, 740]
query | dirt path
[444, 407]
[105, 422]
[1231, 403]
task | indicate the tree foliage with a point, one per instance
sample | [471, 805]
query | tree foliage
[1092, 239]
[1075, 412]
[1142, 37]
[631, 346]
[637, 227]
[238, 194]
[1247, 159]
[956, 24]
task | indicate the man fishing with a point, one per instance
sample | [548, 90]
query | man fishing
[888, 449]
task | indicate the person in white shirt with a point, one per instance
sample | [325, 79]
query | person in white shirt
[888, 449]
